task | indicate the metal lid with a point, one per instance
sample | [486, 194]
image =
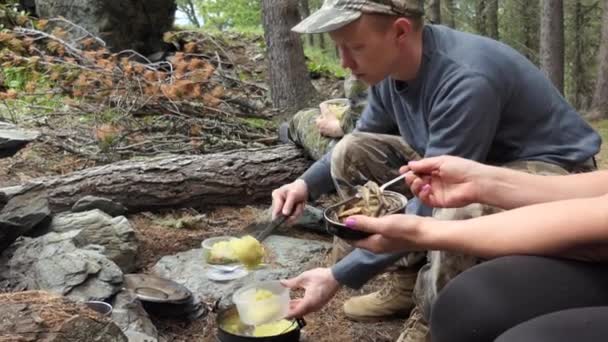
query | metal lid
[151, 288]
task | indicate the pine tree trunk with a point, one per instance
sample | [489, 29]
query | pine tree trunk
[290, 86]
[530, 23]
[600, 96]
[552, 41]
[435, 11]
[450, 18]
[480, 17]
[492, 19]
[304, 13]
[578, 71]
[322, 41]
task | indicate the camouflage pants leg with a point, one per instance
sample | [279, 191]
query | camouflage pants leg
[442, 266]
[303, 132]
[361, 157]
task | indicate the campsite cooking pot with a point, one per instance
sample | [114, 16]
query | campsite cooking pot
[292, 335]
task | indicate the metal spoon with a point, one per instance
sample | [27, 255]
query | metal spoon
[387, 184]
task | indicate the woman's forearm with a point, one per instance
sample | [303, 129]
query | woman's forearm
[555, 229]
[508, 189]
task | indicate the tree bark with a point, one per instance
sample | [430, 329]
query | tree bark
[578, 68]
[435, 11]
[600, 95]
[492, 19]
[530, 18]
[188, 8]
[304, 13]
[450, 18]
[552, 41]
[290, 86]
[480, 17]
[230, 178]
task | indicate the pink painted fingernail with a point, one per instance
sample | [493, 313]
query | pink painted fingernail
[350, 222]
[426, 187]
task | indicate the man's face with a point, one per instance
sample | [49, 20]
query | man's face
[367, 50]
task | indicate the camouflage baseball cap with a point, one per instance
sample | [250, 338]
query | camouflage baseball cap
[337, 13]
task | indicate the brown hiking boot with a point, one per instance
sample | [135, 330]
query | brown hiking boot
[394, 299]
[415, 329]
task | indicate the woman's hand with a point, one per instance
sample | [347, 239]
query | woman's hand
[393, 233]
[446, 181]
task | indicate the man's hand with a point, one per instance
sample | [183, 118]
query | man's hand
[290, 199]
[445, 182]
[393, 233]
[319, 287]
[327, 123]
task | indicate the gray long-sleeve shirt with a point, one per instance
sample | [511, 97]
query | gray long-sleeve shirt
[475, 98]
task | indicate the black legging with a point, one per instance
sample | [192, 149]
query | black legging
[524, 298]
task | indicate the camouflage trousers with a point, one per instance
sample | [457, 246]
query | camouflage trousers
[303, 131]
[360, 157]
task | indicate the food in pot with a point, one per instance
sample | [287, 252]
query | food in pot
[232, 324]
[371, 202]
[274, 328]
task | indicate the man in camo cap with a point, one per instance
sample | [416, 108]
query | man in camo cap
[434, 91]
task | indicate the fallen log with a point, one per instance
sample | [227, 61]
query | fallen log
[239, 177]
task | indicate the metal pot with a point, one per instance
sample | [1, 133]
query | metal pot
[291, 335]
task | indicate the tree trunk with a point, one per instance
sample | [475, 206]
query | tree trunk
[304, 13]
[322, 41]
[188, 8]
[600, 95]
[290, 86]
[552, 41]
[450, 18]
[229, 178]
[480, 17]
[435, 11]
[530, 25]
[578, 68]
[492, 19]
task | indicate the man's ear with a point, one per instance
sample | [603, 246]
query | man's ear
[403, 28]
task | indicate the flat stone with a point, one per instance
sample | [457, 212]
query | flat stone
[288, 257]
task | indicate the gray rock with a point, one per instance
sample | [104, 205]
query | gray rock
[131, 317]
[136, 24]
[95, 228]
[290, 257]
[53, 263]
[106, 205]
[12, 139]
[20, 215]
